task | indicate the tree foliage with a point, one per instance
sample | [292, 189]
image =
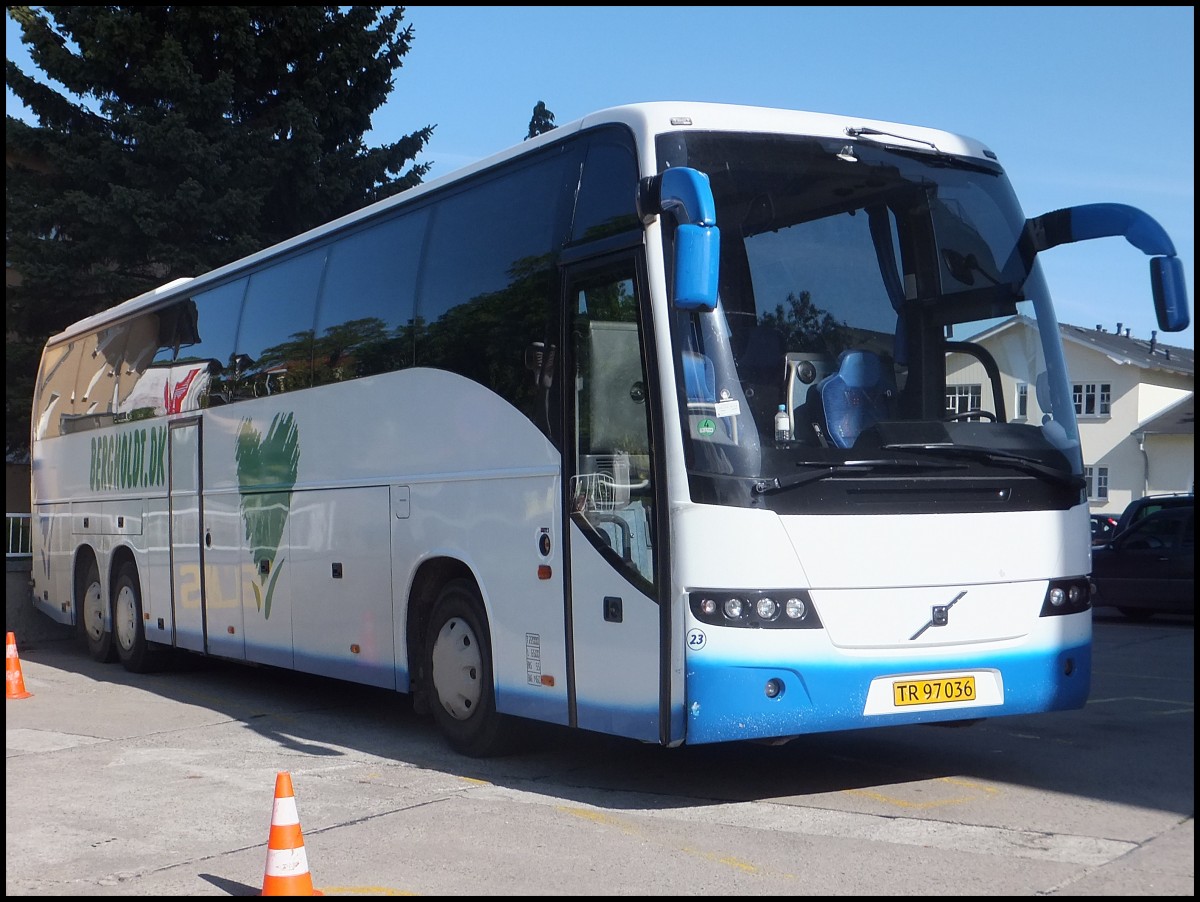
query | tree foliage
[169, 140]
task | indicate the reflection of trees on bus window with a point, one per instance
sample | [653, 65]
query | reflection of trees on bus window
[470, 293]
[364, 321]
[273, 352]
[218, 311]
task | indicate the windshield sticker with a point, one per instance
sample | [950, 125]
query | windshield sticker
[706, 427]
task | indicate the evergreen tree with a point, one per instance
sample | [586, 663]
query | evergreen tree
[542, 121]
[169, 140]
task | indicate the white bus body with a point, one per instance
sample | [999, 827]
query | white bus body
[504, 441]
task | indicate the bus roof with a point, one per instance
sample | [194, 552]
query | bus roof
[645, 119]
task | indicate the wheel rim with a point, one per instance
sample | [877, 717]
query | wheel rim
[457, 669]
[125, 617]
[93, 612]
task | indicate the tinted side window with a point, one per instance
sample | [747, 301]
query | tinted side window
[275, 338]
[208, 345]
[365, 315]
[489, 277]
[140, 389]
[55, 383]
[607, 201]
[95, 362]
[159, 375]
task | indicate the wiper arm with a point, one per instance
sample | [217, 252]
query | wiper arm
[874, 132]
[1006, 458]
[828, 469]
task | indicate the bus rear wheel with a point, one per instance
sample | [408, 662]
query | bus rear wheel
[93, 616]
[458, 664]
[136, 653]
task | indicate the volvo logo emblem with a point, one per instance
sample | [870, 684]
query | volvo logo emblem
[940, 615]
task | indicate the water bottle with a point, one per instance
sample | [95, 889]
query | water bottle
[783, 425]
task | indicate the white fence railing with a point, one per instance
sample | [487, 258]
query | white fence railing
[18, 535]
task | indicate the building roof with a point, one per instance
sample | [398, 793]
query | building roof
[1178, 419]
[1124, 348]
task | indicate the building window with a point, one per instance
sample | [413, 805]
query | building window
[1097, 483]
[962, 398]
[1092, 399]
[1023, 401]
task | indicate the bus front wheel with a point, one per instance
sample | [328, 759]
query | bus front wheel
[93, 619]
[458, 665]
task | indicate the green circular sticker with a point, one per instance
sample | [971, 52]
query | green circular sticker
[706, 427]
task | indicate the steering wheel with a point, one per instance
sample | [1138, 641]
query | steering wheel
[968, 414]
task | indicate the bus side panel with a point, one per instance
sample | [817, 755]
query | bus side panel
[495, 526]
[226, 569]
[342, 606]
[482, 487]
[267, 581]
[53, 555]
[52, 541]
[155, 570]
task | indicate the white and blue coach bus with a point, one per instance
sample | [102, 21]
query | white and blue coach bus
[682, 422]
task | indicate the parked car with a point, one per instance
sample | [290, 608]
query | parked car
[1151, 567]
[1102, 528]
[1144, 507]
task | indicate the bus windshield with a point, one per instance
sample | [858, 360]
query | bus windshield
[876, 310]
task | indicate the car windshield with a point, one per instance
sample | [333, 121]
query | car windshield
[876, 310]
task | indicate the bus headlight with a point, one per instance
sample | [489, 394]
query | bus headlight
[755, 608]
[795, 608]
[1067, 596]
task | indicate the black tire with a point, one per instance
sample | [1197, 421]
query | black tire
[458, 666]
[92, 615]
[129, 631]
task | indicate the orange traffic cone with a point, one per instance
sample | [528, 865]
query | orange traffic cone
[14, 682]
[287, 865]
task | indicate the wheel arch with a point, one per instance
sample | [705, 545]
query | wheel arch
[427, 583]
[121, 555]
[85, 557]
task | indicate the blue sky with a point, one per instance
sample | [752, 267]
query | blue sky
[1082, 104]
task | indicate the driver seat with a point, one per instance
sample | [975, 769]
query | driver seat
[855, 397]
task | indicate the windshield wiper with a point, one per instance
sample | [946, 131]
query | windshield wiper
[1004, 458]
[828, 469]
[863, 132]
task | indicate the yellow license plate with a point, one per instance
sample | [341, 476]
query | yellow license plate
[933, 692]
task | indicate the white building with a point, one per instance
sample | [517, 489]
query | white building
[1135, 401]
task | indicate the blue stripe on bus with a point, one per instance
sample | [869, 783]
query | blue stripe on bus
[728, 702]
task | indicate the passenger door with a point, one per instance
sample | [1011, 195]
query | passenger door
[187, 553]
[614, 617]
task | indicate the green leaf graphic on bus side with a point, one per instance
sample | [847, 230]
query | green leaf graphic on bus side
[266, 470]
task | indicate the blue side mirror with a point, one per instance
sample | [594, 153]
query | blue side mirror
[687, 195]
